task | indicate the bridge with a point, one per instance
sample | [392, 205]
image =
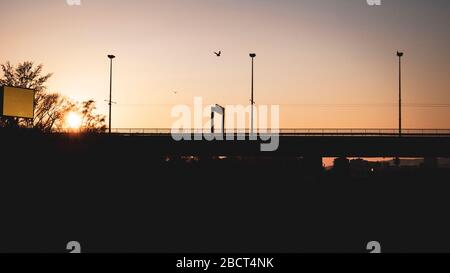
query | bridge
[292, 142]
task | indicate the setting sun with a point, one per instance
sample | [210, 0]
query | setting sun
[74, 120]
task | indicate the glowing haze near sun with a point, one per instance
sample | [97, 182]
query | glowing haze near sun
[74, 120]
[328, 63]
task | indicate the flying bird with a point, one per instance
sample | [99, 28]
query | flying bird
[218, 53]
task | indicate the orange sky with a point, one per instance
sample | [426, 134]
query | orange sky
[327, 63]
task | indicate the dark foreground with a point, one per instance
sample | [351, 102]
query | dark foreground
[122, 200]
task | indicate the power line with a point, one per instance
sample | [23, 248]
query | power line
[331, 105]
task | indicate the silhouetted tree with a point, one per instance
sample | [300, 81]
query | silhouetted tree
[91, 122]
[48, 106]
[24, 76]
[50, 109]
[341, 166]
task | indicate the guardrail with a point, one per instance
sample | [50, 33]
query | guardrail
[293, 131]
[282, 132]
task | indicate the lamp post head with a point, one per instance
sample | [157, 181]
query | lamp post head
[253, 55]
[111, 56]
[399, 54]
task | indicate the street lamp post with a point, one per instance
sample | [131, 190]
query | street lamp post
[111, 57]
[252, 101]
[399, 55]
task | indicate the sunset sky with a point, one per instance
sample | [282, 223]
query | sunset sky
[328, 63]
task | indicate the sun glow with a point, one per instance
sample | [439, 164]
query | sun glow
[73, 120]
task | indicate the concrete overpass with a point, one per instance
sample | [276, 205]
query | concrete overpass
[292, 142]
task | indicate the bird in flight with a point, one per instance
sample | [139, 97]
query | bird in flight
[218, 53]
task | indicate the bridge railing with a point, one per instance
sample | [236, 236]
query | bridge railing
[293, 131]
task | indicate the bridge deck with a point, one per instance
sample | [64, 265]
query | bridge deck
[157, 142]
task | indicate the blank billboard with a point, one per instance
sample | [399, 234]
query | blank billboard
[16, 102]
